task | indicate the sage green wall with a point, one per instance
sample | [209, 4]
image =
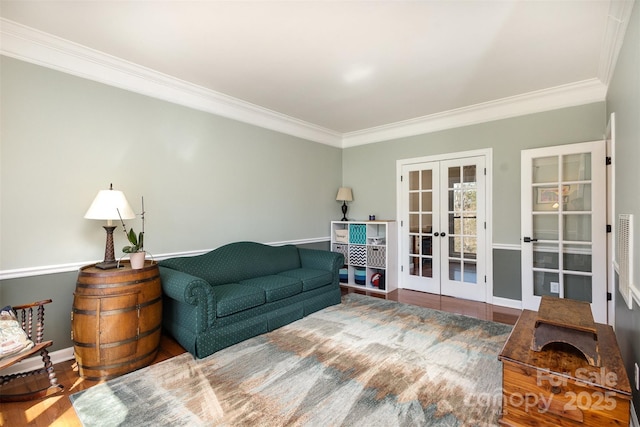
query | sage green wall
[57, 287]
[371, 170]
[507, 271]
[206, 180]
[624, 100]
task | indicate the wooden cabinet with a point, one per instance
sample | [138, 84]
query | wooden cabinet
[370, 253]
[116, 319]
[557, 386]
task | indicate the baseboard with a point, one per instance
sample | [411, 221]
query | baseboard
[506, 302]
[35, 362]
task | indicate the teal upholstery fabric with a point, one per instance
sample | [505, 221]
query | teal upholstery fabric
[285, 315]
[276, 287]
[244, 289]
[193, 292]
[310, 278]
[234, 297]
[224, 334]
[239, 261]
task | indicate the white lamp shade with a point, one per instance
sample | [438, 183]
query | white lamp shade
[107, 204]
[344, 194]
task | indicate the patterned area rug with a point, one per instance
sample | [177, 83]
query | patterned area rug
[365, 362]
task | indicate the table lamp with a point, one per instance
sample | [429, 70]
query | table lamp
[344, 195]
[106, 206]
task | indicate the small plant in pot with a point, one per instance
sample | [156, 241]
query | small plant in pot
[136, 250]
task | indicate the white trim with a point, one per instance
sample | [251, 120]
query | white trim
[598, 271]
[507, 302]
[617, 21]
[610, 147]
[487, 153]
[28, 44]
[31, 45]
[507, 247]
[65, 268]
[35, 362]
[441, 157]
[569, 95]
[488, 217]
[635, 293]
[634, 417]
[301, 241]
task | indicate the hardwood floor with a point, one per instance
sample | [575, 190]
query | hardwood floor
[57, 410]
[475, 309]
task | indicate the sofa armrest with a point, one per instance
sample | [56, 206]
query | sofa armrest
[321, 260]
[191, 290]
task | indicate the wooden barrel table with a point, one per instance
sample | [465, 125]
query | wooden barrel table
[116, 319]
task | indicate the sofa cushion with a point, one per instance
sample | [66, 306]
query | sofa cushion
[232, 298]
[275, 287]
[311, 278]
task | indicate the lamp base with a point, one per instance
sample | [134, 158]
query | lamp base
[107, 265]
[344, 211]
[109, 255]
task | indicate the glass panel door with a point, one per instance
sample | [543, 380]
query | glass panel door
[420, 271]
[564, 231]
[462, 229]
[443, 206]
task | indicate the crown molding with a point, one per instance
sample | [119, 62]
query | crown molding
[31, 45]
[617, 21]
[579, 93]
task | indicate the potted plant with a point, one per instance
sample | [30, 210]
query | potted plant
[136, 249]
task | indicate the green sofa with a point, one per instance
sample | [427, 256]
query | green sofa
[244, 289]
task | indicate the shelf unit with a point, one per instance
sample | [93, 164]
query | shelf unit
[370, 252]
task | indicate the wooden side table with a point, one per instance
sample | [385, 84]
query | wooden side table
[557, 386]
[116, 319]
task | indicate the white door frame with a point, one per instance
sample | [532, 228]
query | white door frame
[488, 246]
[419, 282]
[598, 217]
[610, 141]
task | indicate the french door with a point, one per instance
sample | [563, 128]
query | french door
[563, 223]
[443, 227]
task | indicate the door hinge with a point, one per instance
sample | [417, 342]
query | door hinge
[401, 223]
[485, 279]
[607, 160]
[400, 178]
[485, 171]
[609, 296]
[485, 225]
[608, 228]
[402, 268]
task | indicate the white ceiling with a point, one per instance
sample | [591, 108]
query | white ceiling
[343, 68]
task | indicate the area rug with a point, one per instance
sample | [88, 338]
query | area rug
[365, 362]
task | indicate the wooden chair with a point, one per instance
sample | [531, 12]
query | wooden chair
[25, 315]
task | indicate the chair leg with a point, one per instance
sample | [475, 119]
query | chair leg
[50, 390]
[54, 387]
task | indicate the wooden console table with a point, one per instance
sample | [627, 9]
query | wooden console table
[556, 386]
